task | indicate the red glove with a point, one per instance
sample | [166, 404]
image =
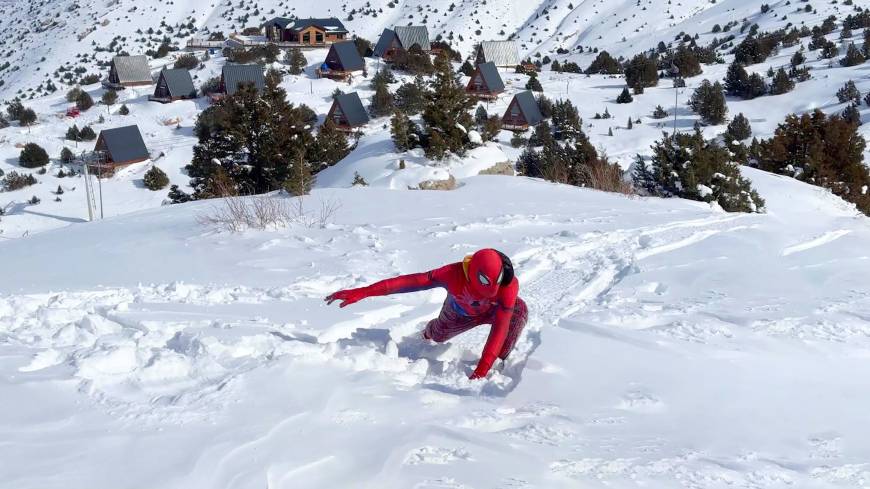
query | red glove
[477, 375]
[347, 297]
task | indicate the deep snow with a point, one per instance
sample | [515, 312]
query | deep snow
[669, 345]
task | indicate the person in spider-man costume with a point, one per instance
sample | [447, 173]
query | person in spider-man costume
[481, 289]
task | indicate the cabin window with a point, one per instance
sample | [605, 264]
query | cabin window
[318, 37]
[306, 38]
[515, 111]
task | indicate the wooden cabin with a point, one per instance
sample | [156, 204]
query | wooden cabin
[173, 85]
[310, 32]
[485, 82]
[402, 38]
[522, 113]
[121, 146]
[128, 71]
[347, 112]
[342, 60]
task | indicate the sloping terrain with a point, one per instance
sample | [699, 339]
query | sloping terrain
[668, 345]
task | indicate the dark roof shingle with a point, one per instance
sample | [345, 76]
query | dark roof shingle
[529, 106]
[178, 82]
[353, 109]
[124, 144]
[233, 75]
[343, 56]
[491, 77]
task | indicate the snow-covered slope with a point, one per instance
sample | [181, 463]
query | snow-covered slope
[669, 346]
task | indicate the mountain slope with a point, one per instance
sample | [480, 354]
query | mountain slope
[669, 345]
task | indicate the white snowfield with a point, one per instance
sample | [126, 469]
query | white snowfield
[669, 345]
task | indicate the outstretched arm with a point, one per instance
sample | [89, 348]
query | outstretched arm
[397, 285]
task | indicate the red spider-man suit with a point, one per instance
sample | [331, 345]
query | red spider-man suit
[481, 289]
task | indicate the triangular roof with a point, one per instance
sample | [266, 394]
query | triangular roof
[384, 42]
[529, 107]
[329, 24]
[132, 69]
[352, 108]
[178, 82]
[233, 75]
[490, 76]
[413, 34]
[502, 53]
[124, 144]
[343, 56]
[407, 35]
[281, 22]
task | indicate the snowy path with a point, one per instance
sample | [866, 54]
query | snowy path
[668, 346]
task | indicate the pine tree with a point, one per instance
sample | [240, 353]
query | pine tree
[480, 115]
[739, 128]
[295, 60]
[411, 97]
[467, 69]
[32, 156]
[27, 117]
[124, 110]
[566, 120]
[642, 178]
[109, 97]
[687, 62]
[382, 101]
[400, 129]
[659, 112]
[556, 66]
[604, 64]
[155, 179]
[358, 180]
[755, 86]
[852, 115]
[829, 50]
[781, 83]
[853, 57]
[533, 84]
[630, 124]
[87, 134]
[848, 93]
[66, 155]
[177, 196]
[610, 131]
[437, 148]
[84, 101]
[545, 105]
[865, 47]
[687, 166]
[624, 97]
[641, 72]
[73, 133]
[446, 113]
[330, 145]
[798, 58]
[822, 150]
[736, 79]
[256, 139]
[709, 102]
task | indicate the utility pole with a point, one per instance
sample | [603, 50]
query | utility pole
[675, 73]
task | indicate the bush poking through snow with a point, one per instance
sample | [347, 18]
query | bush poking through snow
[16, 181]
[263, 212]
[155, 179]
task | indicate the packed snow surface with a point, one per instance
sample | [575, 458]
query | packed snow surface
[668, 345]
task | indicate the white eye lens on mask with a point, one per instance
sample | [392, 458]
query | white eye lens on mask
[482, 278]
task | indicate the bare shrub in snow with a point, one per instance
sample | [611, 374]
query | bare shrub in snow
[272, 211]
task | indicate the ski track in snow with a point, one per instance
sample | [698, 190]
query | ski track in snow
[815, 242]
